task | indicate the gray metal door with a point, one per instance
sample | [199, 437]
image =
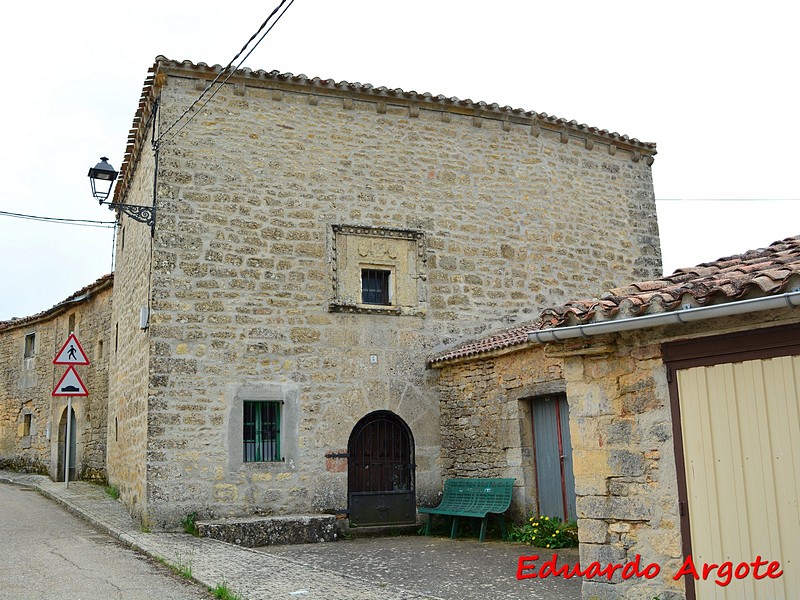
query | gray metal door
[380, 471]
[555, 481]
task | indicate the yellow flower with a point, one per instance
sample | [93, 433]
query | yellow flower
[548, 545]
[554, 535]
[535, 531]
[536, 524]
[557, 531]
[531, 519]
[547, 518]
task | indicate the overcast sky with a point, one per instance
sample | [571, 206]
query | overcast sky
[713, 83]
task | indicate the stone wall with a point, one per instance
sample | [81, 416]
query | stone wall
[486, 418]
[129, 354]
[29, 414]
[625, 479]
[623, 450]
[244, 293]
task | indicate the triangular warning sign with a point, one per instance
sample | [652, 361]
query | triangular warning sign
[71, 353]
[70, 384]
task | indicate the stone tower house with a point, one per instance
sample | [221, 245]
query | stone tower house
[315, 242]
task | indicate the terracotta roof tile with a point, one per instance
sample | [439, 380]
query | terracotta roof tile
[496, 341]
[756, 272]
[96, 286]
[766, 271]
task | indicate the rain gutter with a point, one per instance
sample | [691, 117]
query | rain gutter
[683, 316]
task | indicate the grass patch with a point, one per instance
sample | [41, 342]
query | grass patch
[112, 491]
[182, 569]
[222, 592]
[189, 524]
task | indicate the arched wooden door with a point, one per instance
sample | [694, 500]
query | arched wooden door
[380, 471]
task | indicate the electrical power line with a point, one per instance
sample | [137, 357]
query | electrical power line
[727, 199]
[160, 140]
[79, 222]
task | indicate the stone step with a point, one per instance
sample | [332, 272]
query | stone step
[260, 530]
[382, 530]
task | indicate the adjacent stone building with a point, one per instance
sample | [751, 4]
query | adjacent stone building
[32, 421]
[314, 242]
[683, 401]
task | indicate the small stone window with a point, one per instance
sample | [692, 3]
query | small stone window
[27, 419]
[378, 270]
[30, 345]
[261, 434]
[375, 286]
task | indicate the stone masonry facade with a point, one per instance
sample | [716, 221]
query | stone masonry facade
[31, 419]
[624, 454]
[485, 407]
[621, 432]
[479, 214]
[624, 463]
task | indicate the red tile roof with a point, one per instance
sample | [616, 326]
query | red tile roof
[506, 338]
[82, 294]
[763, 272]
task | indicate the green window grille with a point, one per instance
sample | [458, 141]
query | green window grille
[262, 431]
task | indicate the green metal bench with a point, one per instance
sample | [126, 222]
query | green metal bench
[476, 498]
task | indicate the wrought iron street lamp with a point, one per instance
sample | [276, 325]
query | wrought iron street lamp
[103, 176]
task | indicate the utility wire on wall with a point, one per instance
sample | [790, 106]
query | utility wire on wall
[160, 141]
[727, 199]
[79, 222]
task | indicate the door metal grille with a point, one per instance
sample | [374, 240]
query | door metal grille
[381, 471]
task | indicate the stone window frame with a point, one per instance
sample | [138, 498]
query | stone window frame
[289, 398]
[29, 347]
[336, 303]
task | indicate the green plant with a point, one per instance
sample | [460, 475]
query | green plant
[112, 491]
[190, 524]
[221, 592]
[182, 569]
[546, 532]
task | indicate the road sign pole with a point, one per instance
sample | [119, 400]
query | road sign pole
[69, 441]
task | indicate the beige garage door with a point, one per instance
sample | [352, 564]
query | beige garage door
[741, 444]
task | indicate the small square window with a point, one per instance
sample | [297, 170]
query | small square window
[375, 286]
[27, 419]
[261, 433]
[30, 345]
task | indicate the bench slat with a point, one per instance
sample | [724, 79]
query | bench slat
[474, 497]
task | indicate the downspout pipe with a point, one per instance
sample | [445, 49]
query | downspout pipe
[688, 315]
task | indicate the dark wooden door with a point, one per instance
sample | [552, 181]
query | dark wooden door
[555, 481]
[380, 471]
[62, 445]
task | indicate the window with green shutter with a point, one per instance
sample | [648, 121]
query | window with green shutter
[262, 431]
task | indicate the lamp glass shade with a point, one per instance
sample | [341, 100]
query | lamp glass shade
[104, 173]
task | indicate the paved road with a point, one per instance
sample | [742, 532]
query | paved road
[48, 554]
[460, 569]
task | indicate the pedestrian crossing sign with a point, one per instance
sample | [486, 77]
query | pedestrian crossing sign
[71, 353]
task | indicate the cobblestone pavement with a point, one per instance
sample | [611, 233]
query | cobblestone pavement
[394, 568]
